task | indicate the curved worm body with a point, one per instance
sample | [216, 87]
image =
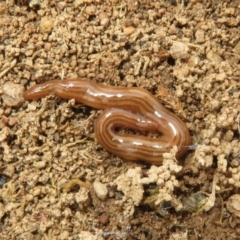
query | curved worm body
[132, 108]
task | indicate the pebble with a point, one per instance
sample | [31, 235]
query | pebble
[12, 94]
[233, 204]
[179, 50]
[100, 190]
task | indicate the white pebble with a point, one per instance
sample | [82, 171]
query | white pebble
[100, 189]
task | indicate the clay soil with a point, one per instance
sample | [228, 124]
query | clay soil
[186, 53]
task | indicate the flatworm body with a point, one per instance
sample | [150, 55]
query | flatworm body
[132, 108]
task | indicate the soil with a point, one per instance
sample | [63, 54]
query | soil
[56, 181]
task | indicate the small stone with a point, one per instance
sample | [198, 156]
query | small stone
[215, 104]
[103, 218]
[233, 204]
[104, 19]
[34, 3]
[179, 50]
[128, 30]
[214, 57]
[193, 61]
[46, 24]
[12, 94]
[90, 10]
[100, 189]
[200, 38]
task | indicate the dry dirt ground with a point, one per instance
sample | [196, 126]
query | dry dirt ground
[56, 181]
